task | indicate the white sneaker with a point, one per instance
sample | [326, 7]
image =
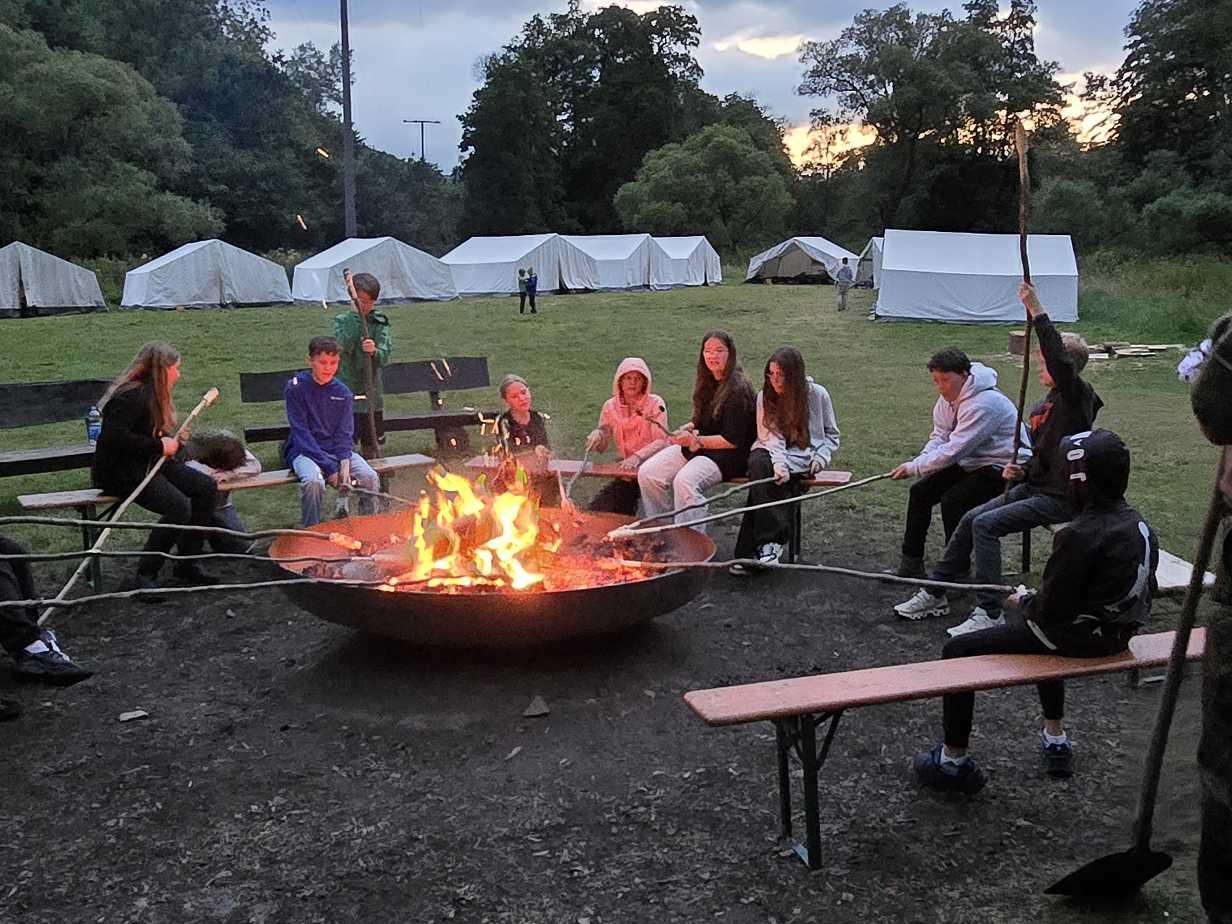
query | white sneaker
[979, 619]
[771, 553]
[923, 605]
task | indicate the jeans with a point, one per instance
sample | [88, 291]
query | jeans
[759, 527]
[668, 480]
[980, 532]
[227, 517]
[312, 487]
[842, 295]
[957, 491]
[18, 628]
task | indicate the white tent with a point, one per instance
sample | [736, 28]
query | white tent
[489, 265]
[869, 267]
[33, 282]
[405, 273]
[973, 278]
[684, 261]
[621, 260]
[800, 257]
[206, 274]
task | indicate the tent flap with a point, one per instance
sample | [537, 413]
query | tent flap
[800, 257]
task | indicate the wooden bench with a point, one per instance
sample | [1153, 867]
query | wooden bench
[87, 501]
[432, 376]
[569, 467]
[36, 403]
[799, 706]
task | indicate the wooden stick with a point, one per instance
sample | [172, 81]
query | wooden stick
[1024, 204]
[334, 537]
[625, 532]
[206, 400]
[369, 375]
[702, 503]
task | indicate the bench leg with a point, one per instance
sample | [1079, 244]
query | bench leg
[1026, 551]
[88, 536]
[799, 734]
[794, 541]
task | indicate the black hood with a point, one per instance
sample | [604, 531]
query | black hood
[1097, 465]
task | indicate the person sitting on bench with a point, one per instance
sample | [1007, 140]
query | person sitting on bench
[523, 435]
[1039, 497]
[712, 447]
[636, 420]
[319, 412]
[797, 434]
[960, 465]
[222, 455]
[356, 352]
[138, 427]
[1094, 595]
[36, 653]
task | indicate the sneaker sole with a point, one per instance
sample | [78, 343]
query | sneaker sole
[953, 632]
[922, 614]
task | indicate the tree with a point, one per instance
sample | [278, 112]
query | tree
[718, 182]
[91, 156]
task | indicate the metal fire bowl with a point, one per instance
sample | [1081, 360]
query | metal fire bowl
[509, 619]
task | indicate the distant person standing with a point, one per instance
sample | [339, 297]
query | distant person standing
[522, 292]
[357, 351]
[532, 288]
[842, 281]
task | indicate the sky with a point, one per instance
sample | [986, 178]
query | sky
[416, 59]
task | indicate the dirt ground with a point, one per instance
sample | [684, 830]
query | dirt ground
[290, 770]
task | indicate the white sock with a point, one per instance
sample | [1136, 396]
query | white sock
[947, 759]
[1050, 739]
[38, 646]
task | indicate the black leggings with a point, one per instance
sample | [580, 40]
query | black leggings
[183, 496]
[957, 491]
[18, 628]
[773, 524]
[1015, 637]
[620, 495]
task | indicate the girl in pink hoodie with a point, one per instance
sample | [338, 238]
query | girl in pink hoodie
[636, 420]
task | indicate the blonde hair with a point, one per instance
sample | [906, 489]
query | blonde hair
[149, 367]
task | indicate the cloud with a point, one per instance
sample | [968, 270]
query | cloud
[765, 46]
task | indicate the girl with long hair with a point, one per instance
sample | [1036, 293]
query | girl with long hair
[797, 434]
[138, 427]
[712, 447]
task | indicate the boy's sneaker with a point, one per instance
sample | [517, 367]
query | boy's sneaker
[771, 553]
[51, 666]
[964, 776]
[922, 606]
[978, 620]
[1058, 757]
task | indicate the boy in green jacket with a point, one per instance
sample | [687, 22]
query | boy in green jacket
[356, 351]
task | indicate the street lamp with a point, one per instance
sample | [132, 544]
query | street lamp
[423, 156]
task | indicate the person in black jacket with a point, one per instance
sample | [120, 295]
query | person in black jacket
[1095, 593]
[1039, 496]
[138, 427]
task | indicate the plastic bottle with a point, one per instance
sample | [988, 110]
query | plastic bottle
[94, 425]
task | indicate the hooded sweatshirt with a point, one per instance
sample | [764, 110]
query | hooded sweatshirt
[823, 433]
[321, 421]
[974, 431]
[633, 433]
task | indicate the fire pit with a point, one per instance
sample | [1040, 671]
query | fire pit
[580, 591]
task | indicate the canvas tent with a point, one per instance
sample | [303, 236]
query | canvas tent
[33, 282]
[405, 274]
[973, 278]
[869, 267]
[622, 261]
[684, 261]
[489, 265]
[812, 259]
[206, 274]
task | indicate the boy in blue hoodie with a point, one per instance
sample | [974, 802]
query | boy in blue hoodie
[319, 411]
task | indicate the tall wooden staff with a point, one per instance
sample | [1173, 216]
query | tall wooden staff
[369, 374]
[206, 400]
[1024, 206]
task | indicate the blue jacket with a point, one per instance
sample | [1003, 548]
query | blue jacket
[321, 421]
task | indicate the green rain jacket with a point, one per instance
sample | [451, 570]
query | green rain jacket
[348, 332]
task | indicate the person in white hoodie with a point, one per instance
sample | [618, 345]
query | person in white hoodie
[797, 435]
[635, 419]
[960, 466]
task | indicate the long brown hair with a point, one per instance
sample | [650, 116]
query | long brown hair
[709, 395]
[788, 413]
[149, 367]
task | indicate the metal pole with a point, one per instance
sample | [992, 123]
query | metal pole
[423, 150]
[348, 141]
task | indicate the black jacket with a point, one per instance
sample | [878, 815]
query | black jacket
[129, 443]
[1069, 407]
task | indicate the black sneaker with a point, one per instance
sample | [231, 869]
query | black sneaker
[144, 581]
[1058, 758]
[52, 666]
[964, 777]
[9, 710]
[191, 575]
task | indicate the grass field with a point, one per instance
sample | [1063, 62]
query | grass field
[875, 372]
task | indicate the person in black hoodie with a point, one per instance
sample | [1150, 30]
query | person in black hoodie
[1095, 593]
[138, 428]
[1039, 496]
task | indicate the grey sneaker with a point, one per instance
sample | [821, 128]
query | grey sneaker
[922, 606]
[977, 621]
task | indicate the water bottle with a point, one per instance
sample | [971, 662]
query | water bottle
[94, 425]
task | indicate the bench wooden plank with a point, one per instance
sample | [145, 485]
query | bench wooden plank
[53, 459]
[29, 404]
[828, 693]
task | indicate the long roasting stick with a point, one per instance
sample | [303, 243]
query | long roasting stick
[369, 375]
[206, 400]
[1024, 206]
